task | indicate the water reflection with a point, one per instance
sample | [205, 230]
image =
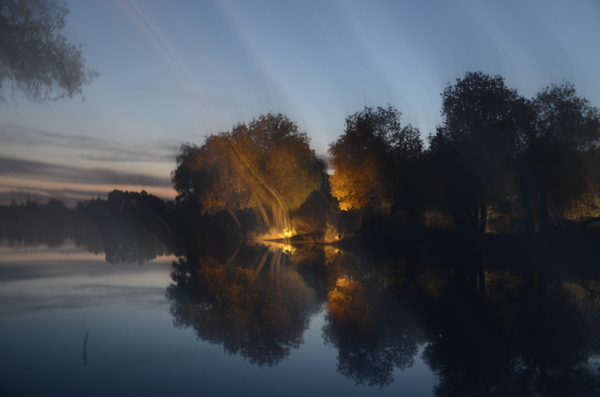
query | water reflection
[258, 303]
[371, 331]
[254, 305]
[515, 347]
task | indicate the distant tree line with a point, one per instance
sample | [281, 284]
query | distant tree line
[126, 226]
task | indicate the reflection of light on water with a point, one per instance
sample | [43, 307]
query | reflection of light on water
[275, 246]
[277, 234]
[288, 249]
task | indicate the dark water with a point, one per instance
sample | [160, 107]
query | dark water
[272, 319]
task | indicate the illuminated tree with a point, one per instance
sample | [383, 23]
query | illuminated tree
[363, 157]
[204, 175]
[35, 59]
[267, 165]
[274, 158]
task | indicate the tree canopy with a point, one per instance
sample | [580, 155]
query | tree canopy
[474, 145]
[36, 60]
[560, 148]
[362, 157]
[266, 164]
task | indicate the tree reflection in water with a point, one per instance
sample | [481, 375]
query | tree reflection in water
[252, 305]
[128, 227]
[515, 345]
[517, 341]
[371, 335]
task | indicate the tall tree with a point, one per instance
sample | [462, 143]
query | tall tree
[364, 158]
[36, 60]
[565, 133]
[474, 146]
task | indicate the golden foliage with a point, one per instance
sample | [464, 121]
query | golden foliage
[586, 206]
[267, 164]
[355, 182]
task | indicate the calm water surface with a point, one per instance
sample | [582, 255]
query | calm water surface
[74, 324]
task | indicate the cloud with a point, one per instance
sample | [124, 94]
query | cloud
[88, 147]
[39, 181]
[62, 173]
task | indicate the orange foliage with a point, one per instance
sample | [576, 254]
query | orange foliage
[348, 305]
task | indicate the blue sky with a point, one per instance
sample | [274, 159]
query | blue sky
[173, 72]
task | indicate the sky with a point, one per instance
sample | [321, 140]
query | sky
[174, 72]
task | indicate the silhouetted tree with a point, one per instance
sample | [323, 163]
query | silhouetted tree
[135, 227]
[564, 132]
[474, 146]
[34, 223]
[35, 59]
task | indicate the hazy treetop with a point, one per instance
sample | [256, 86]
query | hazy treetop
[36, 60]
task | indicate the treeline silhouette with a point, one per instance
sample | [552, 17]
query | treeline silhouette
[497, 163]
[127, 226]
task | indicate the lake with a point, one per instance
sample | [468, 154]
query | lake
[73, 324]
[277, 319]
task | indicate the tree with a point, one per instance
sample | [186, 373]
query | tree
[363, 157]
[35, 59]
[267, 165]
[274, 158]
[475, 145]
[564, 136]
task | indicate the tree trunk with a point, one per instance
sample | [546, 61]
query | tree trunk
[528, 212]
[481, 267]
[483, 220]
[544, 218]
[260, 266]
[358, 220]
[235, 218]
[263, 213]
[232, 257]
[529, 220]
